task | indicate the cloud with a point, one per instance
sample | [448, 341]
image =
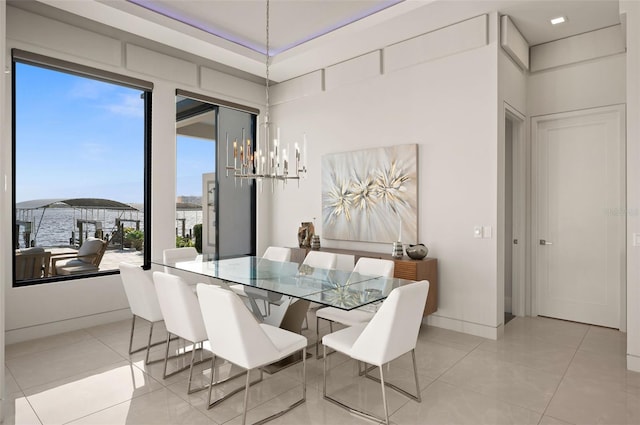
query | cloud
[89, 89]
[129, 105]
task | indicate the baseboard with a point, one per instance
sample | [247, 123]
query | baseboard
[484, 331]
[13, 336]
[633, 363]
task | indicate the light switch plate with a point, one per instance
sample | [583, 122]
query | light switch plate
[486, 232]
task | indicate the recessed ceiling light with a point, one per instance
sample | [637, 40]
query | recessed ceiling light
[558, 20]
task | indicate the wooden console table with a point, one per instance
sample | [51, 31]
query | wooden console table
[405, 268]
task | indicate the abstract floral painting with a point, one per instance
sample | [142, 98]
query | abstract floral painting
[371, 195]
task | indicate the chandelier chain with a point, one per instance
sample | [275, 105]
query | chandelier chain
[266, 115]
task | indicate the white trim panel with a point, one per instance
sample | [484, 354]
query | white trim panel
[513, 42]
[447, 41]
[353, 71]
[595, 44]
[148, 62]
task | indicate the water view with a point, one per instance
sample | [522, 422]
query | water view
[57, 226]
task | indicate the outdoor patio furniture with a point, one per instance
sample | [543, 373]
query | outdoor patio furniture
[32, 263]
[86, 260]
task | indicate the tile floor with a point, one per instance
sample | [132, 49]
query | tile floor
[542, 371]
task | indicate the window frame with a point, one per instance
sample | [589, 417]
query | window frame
[54, 64]
[220, 170]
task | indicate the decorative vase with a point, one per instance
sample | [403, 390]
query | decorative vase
[305, 231]
[315, 242]
[417, 252]
[397, 250]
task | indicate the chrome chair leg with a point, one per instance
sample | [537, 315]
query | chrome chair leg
[249, 383]
[324, 370]
[144, 347]
[318, 334]
[193, 357]
[416, 397]
[246, 397]
[383, 384]
[415, 374]
[146, 359]
[384, 398]
[133, 326]
[166, 375]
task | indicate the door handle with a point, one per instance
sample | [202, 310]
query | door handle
[543, 242]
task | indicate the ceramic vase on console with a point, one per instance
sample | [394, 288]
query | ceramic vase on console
[417, 251]
[397, 250]
[315, 242]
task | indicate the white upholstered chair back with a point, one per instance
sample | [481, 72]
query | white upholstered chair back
[321, 260]
[234, 333]
[173, 255]
[374, 267]
[140, 291]
[393, 330]
[180, 308]
[277, 253]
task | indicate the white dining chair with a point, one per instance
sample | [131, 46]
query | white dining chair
[321, 260]
[392, 332]
[143, 301]
[364, 266]
[236, 336]
[187, 253]
[173, 255]
[272, 253]
[182, 318]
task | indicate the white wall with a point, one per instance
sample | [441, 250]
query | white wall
[632, 10]
[448, 106]
[45, 309]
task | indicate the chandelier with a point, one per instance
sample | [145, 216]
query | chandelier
[271, 159]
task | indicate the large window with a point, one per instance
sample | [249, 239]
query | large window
[81, 183]
[221, 209]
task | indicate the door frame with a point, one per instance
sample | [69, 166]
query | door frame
[519, 208]
[534, 293]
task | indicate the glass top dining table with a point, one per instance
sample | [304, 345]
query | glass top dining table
[336, 288]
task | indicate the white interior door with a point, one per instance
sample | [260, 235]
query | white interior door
[579, 214]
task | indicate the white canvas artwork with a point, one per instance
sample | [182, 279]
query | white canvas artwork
[371, 195]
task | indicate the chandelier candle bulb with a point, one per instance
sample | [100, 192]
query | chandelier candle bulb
[227, 155]
[235, 154]
[304, 152]
[286, 163]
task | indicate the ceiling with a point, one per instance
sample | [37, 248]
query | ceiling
[306, 35]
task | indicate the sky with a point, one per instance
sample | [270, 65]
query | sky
[78, 137]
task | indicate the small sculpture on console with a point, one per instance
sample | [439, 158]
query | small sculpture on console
[305, 232]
